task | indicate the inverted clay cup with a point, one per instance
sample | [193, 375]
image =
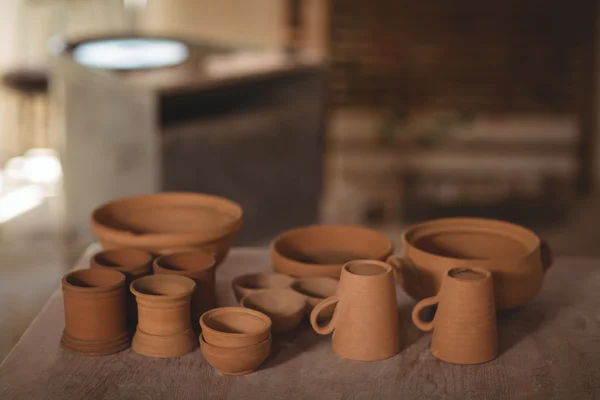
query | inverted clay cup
[464, 325]
[315, 290]
[133, 264]
[285, 307]
[238, 360]
[199, 266]
[365, 323]
[164, 328]
[247, 284]
[234, 327]
[95, 321]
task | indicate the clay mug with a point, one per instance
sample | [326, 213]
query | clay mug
[95, 320]
[198, 265]
[164, 328]
[464, 325]
[133, 263]
[365, 322]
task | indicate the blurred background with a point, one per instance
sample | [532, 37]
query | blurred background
[381, 113]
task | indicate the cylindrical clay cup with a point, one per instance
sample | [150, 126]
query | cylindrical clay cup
[95, 321]
[133, 263]
[199, 266]
[164, 328]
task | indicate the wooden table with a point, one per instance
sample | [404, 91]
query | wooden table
[550, 350]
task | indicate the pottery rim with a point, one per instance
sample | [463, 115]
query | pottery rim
[110, 258]
[483, 273]
[186, 261]
[113, 280]
[186, 287]
[233, 351]
[385, 250]
[127, 238]
[250, 301]
[381, 268]
[240, 310]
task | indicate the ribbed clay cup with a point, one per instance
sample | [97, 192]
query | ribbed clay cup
[133, 263]
[199, 266]
[365, 322]
[95, 320]
[163, 328]
[464, 325]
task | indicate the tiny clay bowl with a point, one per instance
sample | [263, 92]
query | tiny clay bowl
[322, 250]
[164, 223]
[234, 327]
[131, 262]
[285, 307]
[315, 290]
[238, 360]
[246, 284]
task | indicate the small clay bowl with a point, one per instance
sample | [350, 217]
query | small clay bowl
[132, 262]
[322, 250]
[284, 306]
[236, 361]
[234, 326]
[315, 290]
[246, 284]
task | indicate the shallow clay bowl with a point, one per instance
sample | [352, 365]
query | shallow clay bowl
[246, 284]
[315, 290]
[132, 262]
[322, 250]
[234, 326]
[285, 307]
[164, 223]
[236, 361]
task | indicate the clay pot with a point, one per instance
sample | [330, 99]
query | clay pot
[165, 223]
[237, 360]
[515, 255]
[246, 284]
[315, 290]
[163, 328]
[234, 327]
[95, 320]
[200, 267]
[285, 307]
[464, 326]
[365, 322]
[133, 264]
[322, 250]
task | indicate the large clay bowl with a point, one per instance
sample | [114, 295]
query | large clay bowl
[236, 360]
[164, 223]
[516, 257]
[234, 326]
[322, 250]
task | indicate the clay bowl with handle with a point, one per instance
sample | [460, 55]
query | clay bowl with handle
[285, 307]
[165, 223]
[236, 360]
[322, 250]
[246, 284]
[517, 258]
[234, 326]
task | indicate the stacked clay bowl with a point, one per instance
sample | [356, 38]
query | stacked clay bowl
[235, 340]
[164, 223]
[322, 250]
[517, 258]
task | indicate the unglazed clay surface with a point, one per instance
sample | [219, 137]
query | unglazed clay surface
[238, 360]
[250, 283]
[285, 307]
[234, 326]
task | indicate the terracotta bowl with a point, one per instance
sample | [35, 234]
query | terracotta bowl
[315, 290]
[516, 257]
[238, 360]
[285, 307]
[246, 284]
[322, 250]
[164, 223]
[234, 326]
[132, 262]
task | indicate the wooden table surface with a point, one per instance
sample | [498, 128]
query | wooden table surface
[550, 349]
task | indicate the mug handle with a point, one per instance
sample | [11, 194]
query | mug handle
[546, 255]
[401, 264]
[422, 325]
[327, 329]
